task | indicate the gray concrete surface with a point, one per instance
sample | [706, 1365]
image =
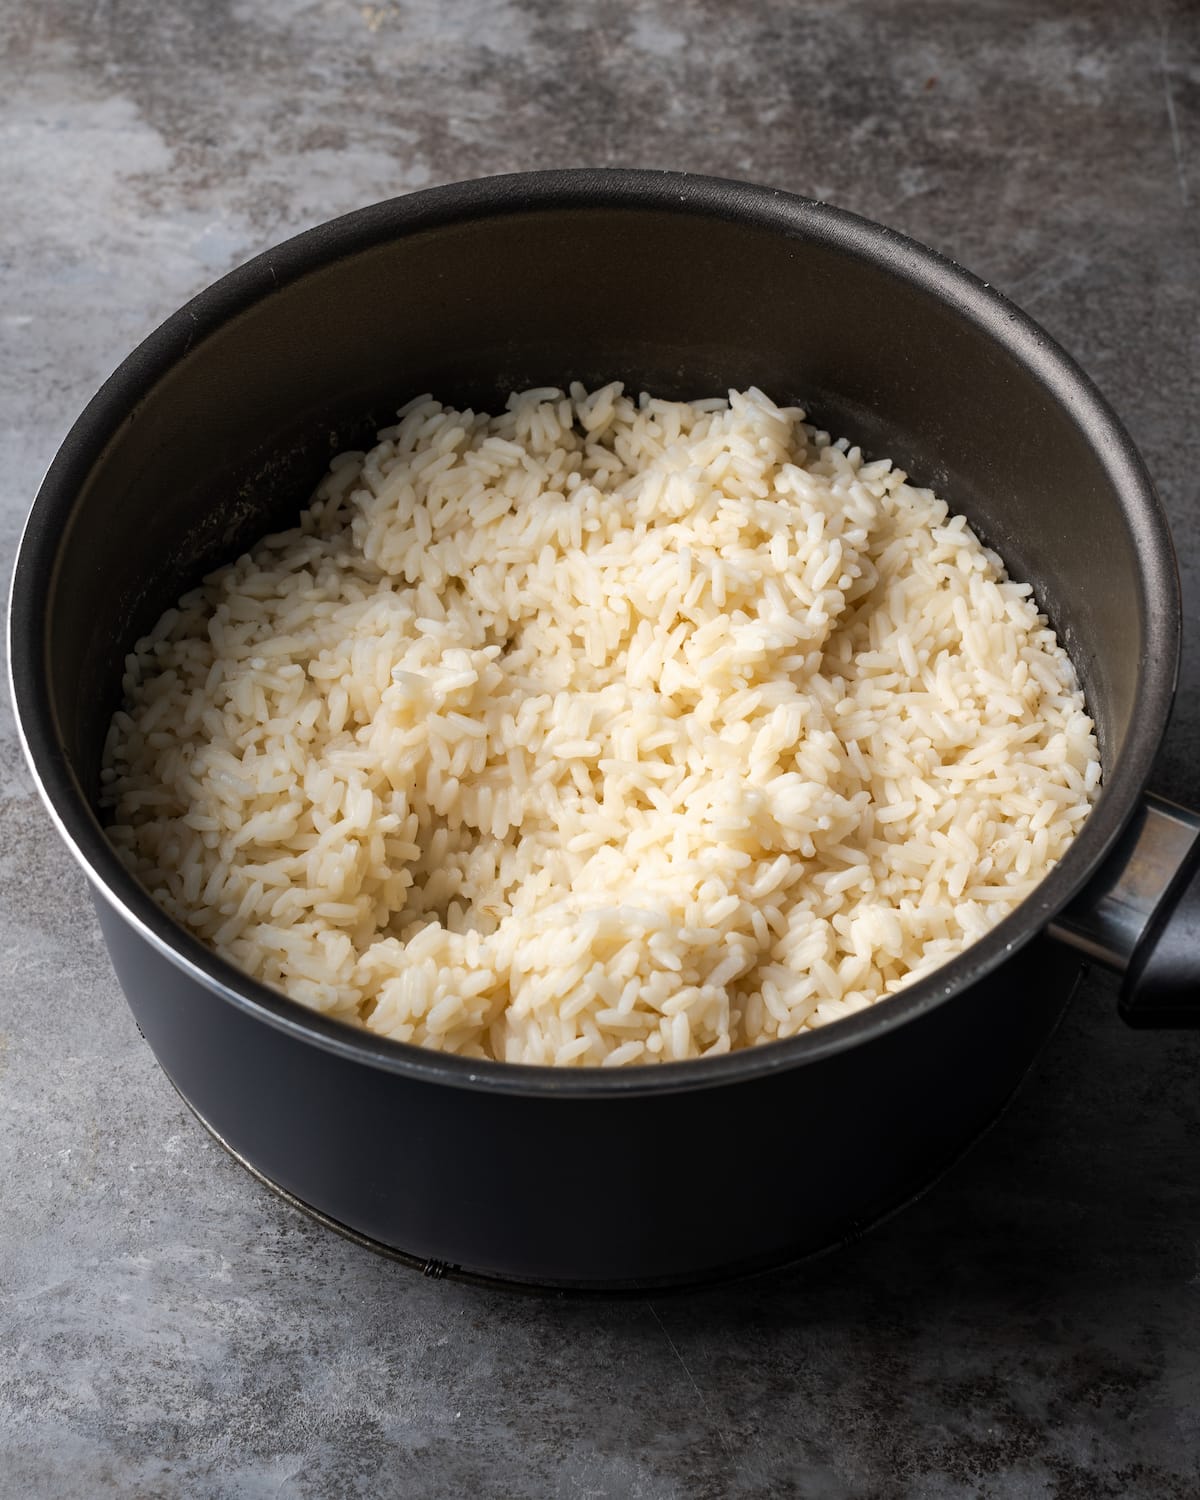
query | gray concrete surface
[167, 1328]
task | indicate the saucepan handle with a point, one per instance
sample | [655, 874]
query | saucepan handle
[1140, 915]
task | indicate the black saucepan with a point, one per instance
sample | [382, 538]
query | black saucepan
[215, 429]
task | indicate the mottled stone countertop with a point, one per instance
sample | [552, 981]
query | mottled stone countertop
[167, 1328]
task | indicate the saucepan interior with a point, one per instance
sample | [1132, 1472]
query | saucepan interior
[217, 428]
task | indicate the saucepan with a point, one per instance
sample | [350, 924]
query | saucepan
[214, 431]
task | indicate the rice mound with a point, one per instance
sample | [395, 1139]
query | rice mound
[603, 731]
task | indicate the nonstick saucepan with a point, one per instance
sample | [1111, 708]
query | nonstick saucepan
[215, 430]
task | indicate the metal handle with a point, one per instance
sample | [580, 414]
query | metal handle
[1141, 916]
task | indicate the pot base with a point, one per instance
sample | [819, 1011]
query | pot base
[437, 1270]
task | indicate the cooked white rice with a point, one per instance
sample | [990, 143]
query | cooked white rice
[601, 732]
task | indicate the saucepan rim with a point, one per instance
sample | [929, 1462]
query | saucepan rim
[706, 199]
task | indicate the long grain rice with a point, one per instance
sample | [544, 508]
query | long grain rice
[603, 731]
